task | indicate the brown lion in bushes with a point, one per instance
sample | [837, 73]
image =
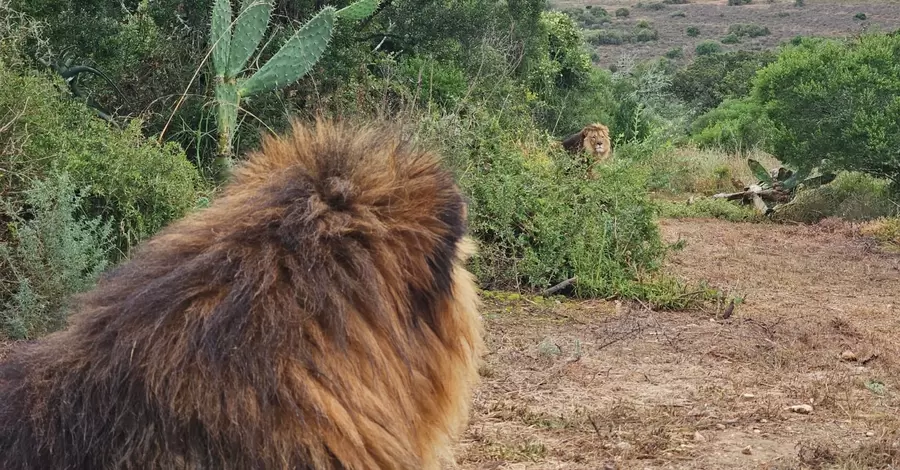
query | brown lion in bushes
[594, 139]
[316, 316]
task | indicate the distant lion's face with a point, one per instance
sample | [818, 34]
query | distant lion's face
[596, 140]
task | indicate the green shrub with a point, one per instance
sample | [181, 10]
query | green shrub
[675, 53]
[678, 14]
[605, 37]
[736, 125]
[676, 2]
[730, 39]
[711, 79]
[692, 31]
[438, 82]
[799, 3]
[539, 221]
[834, 104]
[738, 2]
[645, 34]
[134, 183]
[707, 47]
[851, 196]
[622, 13]
[654, 6]
[860, 16]
[748, 30]
[48, 256]
[706, 207]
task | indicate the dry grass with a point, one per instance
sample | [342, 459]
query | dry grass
[609, 385]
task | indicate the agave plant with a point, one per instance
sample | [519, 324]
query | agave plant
[233, 43]
[774, 187]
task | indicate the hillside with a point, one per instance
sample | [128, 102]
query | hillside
[713, 18]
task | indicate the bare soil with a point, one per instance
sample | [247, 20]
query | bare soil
[713, 17]
[589, 385]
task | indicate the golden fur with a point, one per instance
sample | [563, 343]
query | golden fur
[317, 315]
[594, 138]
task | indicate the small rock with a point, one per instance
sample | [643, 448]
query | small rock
[699, 437]
[748, 396]
[801, 409]
[720, 427]
[848, 355]
[756, 431]
[746, 450]
[764, 421]
[870, 434]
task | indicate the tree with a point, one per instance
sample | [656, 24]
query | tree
[836, 104]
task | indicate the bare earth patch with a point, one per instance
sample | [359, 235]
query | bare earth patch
[598, 384]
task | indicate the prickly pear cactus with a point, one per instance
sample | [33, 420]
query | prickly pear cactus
[234, 42]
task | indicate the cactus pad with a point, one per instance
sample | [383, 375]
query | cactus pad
[249, 28]
[358, 10]
[220, 35]
[295, 58]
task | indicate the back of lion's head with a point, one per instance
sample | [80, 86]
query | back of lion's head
[316, 315]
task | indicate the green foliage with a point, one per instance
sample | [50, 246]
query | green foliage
[652, 6]
[692, 31]
[739, 2]
[730, 39]
[860, 16]
[711, 79]
[676, 53]
[748, 30]
[622, 13]
[799, 3]
[55, 252]
[736, 125]
[537, 218]
[643, 32]
[588, 17]
[707, 48]
[135, 184]
[708, 208]
[851, 196]
[676, 2]
[836, 104]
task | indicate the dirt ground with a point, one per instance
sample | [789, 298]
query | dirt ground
[598, 384]
[608, 385]
[713, 17]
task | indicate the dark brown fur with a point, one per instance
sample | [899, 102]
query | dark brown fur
[315, 316]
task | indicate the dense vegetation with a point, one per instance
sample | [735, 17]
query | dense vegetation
[490, 83]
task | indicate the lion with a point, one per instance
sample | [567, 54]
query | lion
[594, 138]
[317, 315]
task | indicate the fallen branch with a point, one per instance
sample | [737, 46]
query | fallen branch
[558, 287]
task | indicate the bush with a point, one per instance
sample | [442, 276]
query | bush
[851, 196]
[711, 79]
[706, 207]
[131, 182]
[645, 34]
[860, 16]
[834, 104]
[539, 221]
[675, 53]
[748, 30]
[678, 14]
[707, 47]
[655, 6]
[738, 2]
[730, 39]
[622, 13]
[605, 37]
[736, 125]
[676, 2]
[48, 256]
[692, 31]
